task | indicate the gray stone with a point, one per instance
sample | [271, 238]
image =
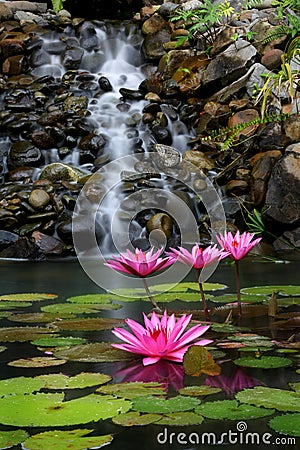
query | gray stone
[60, 172]
[32, 7]
[24, 153]
[5, 12]
[153, 44]
[38, 199]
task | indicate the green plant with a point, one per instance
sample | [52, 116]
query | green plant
[205, 21]
[57, 5]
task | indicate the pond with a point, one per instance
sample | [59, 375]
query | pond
[206, 420]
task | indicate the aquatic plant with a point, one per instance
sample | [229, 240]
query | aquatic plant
[160, 338]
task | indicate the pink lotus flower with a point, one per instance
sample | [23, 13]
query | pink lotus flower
[239, 245]
[160, 339]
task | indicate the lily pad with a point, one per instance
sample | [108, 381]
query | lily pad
[231, 298]
[58, 341]
[37, 317]
[264, 362]
[2, 348]
[88, 324]
[135, 418]
[50, 410]
[184, 418]
[185, 286]
[4, 314]
[98, 352]
[90, 298]
[167, 297]
[28, 297]
[80, 381]
[226, 328]
[14, 305]
[133, 389]
[198, 391]
[288, 301]
[280, 399]
[231, 410]
[198, 360]
[295, 387]
[61, 440]
[151, 404]
[10, 438]
[38, 361]
[287, 424]
[268, 290]
[78, 308]
[20, 385]
[22, 334]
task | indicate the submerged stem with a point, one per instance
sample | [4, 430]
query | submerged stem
[238, 287]
[150, 295]
[206, 310]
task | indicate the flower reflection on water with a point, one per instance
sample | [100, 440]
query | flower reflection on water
[233, 382]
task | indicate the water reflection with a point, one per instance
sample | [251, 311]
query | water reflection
[235, 380]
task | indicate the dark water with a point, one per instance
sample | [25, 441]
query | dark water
[66, 278]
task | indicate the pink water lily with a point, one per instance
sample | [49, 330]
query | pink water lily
[160, 338]
[198, 258]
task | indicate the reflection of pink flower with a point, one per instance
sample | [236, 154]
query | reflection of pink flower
[239, 245]
[140, 263]
[162, 372]
[232, 383]
[198, 257]
[160, 339]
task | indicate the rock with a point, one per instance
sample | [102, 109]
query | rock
[23, 248]
[131, 94]
[64, 231]
[7, 219]
[11, 47]
[88, 37]
[223, 40]
[160, 221]
[105, 84]
[236, 187]
[40, 58]
[5, 12]
[190, 75]
[153, 44]
[72, 57]
[288, 239]
[60, 172]
[153, 24]
[167, 156]
[38, 199]
[75, 104]
[42, 139]
[47, 244]
[92, 143]
[171, 61]
[243, 117]
[261, 29]
[162, 135]
[7, 238]
[24, 153]
[13, 65]
[283, 194]
[231, 64]
[272, 58]
[21, 174]
[292, 128]
[20, 5]
[198, 159]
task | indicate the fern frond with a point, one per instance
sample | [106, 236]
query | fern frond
[278, 32]
[292, 4]
[253, 4]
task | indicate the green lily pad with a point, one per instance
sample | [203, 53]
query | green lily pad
[179, 419]
[61, 440]
[80, 381]
[167, 297]
[98, 352]
[50, 410]
[287, 350]
[78, 308]
[37, 317]
[243, 337]
[20, 385]
[280, 399]
[22, 334]
[2, 348]
[288, 301]
[287, 424]
[135, 418]
[268, 290]
[28, 297]
[90, 298]
[264, 362]
[197, 360]
[226, 328]
[151, 404]
[88, 324]
[4, 314]
[183, 287]
[231, 410]
[58, 341]
[14, 305]
[38, 361]
[295, 387]
[195, 391]
[133, 389]
[10, 438]
[231, 298]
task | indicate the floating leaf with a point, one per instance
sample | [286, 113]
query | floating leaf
[288, 301]
[295, 387]
[195, 391]
[226, 328]
[80, 381]
[98, 352]
[280, 399]
[58, 341]
[20, 385]
[62, 440]
[264, 362]
[184, 418]
[14, 305]
[38, 361]
[231, 410]
[183, 287]
[90, 298]
[198, 360]
[135, 418]
[28, 297]
[287, 350]
[21, 334]
[78, 308]
[133, 389]
[4, 314]
[88, 324]
[249, 311]
[50, 410]
[10, 438]
[231, 298]
[268, 290]
[172, 296]
[37, 317]
[242, 337]
[286, 424]
[151, 404]
[2, 348]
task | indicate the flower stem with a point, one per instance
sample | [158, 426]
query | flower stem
[150, 295]
[238, 287]
[206, 311]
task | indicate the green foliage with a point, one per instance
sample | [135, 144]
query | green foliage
[57, 5]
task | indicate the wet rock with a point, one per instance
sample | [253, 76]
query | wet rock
[39, 58]
[28, 228]
[292, 128]
[7, 219]
[55, 48]
[5, 12]
[162, 135]
[223, 40]
[190, 75]
[22, 5]
[11, 47]
[47, 244]
[42, 139]
[153, 24]
[160, 221]
[272, 58]
[171, 61]
[153, 45]
[64, 231]
[75, 104]
[24, 153]
[243, 117]
[90, 146]
[198, 159]
[39, 199]
[88, 37]
[105, 84]
[288, 239]
[23, 248]
[131, 94]
[167, 9]
[72, 57]
[21, 174]
[236, 187]
[13, 65]
[167, 156]
[60, 172]
[53, 117]
[283, 194]
[7, 238]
